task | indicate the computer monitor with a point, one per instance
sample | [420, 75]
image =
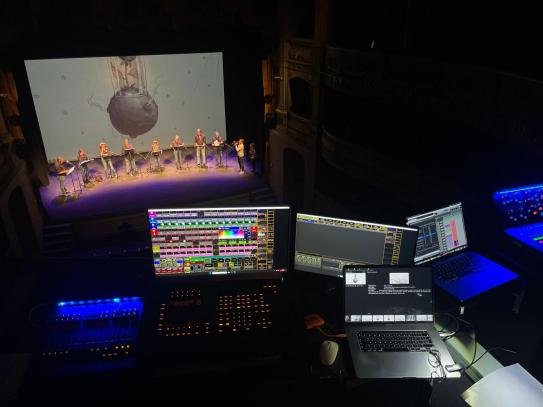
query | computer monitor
[211, 241]
[441, 232]
[324, 245]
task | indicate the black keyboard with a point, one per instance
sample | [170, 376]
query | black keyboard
[456, 267]
[394, 341]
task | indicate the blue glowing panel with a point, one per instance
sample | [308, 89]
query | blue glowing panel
[98, 309]
[518, 206]
[530, 235]
[100, 329]
[488, 276]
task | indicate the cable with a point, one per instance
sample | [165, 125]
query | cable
[448, 335]
[329, 335]
[484, 353]
[474, 352]
[439, 369]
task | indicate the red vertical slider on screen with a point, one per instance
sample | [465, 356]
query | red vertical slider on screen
[454, 232]
[254, 232]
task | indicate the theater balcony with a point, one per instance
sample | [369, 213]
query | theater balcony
[21, 219]
[383, 116]
[292, 144]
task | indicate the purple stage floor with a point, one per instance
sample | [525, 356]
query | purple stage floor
[128, 194]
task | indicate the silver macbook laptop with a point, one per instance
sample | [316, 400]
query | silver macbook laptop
[389, 323]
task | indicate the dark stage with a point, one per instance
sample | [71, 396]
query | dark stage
[187, 186]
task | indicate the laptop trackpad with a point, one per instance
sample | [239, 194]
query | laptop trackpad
[393, 365]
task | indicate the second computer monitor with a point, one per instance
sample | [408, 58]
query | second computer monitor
[324, 245]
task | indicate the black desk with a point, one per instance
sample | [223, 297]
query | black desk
[294, 374]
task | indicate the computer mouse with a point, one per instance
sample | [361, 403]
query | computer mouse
[328, 352]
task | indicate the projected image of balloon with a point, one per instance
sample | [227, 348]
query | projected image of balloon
[132, 110]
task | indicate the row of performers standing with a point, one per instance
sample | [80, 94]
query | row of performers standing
[218, 144]
[177, 145]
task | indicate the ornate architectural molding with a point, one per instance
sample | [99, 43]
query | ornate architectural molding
[299, 70]
[300, 50]
[300, 125]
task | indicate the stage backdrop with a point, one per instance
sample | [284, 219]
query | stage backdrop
[81, 102]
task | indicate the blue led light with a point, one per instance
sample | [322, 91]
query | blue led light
[92, 309]
[507, 191]
[98, 301]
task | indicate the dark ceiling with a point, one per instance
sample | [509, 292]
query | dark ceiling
[503, 36]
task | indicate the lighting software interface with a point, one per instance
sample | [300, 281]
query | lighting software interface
[441, 232]
[324, 245]
[219, 240]
[388, 294]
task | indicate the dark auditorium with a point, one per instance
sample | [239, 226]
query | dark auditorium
[244, 202]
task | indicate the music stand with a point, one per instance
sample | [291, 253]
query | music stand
[219, 147]
[130, 152]
[184, 157]
[81, 163]
[70, 172]
[181, 149]
[137, 169]
[228, 153]
[156, 154]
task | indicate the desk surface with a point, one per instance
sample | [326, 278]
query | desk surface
[298, 366]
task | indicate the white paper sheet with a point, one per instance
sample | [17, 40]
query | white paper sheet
[506, 387]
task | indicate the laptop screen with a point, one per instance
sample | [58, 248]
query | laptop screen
[441, 232]
[388, 294]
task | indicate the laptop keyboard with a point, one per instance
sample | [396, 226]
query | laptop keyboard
[394, 341]
[456, 267]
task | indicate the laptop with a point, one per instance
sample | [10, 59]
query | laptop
[442, 242]
[521, 212]
[389, 316]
